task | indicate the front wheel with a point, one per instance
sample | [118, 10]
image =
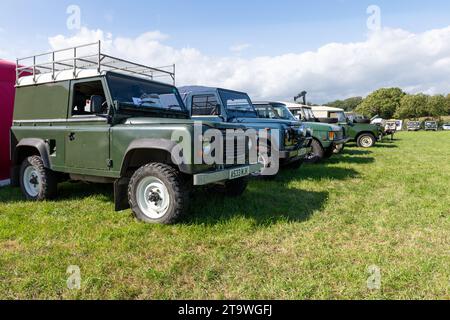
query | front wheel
[37, 182]
[317, 153]
[156, 194]
[366, 140]
[339, 148]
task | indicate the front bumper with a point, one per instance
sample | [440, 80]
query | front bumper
[202, 179]
[341, 141]
[292, 156]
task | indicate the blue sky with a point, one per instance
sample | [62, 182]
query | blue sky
[271, 27]
[281, 46]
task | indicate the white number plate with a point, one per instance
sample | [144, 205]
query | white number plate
[240, 172]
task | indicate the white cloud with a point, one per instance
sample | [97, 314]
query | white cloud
[389, 57]
[240, 47]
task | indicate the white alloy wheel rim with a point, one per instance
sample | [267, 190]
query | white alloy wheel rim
[153, 197]
[32, 181]
[366, 141]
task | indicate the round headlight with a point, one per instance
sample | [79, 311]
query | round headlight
[207, 148]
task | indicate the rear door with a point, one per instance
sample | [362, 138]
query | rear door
[87, 137]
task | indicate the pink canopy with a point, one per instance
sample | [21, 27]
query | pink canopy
[7, 93]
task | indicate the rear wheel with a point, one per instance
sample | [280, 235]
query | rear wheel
[37, 182]
[366, 140]
[156, 194]
[316, 154]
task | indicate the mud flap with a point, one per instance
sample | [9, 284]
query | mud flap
[15, 172]
[120, 194]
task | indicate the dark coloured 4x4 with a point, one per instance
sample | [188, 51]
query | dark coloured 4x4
[82, 119]
[222, 105]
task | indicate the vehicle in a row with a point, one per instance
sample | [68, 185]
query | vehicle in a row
[106, 125]
[364, 134]
[431, 126]
[413, 126]
[227, 106]
[326, 137]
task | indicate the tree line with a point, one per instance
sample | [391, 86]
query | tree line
[391, 103]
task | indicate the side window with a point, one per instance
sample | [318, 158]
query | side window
[205, 105]
[262, 111]
[89, 99]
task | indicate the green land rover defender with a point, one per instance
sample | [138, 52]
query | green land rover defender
[96, 118]
[365, 135]
[327, 138]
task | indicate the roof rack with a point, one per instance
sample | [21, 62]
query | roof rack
[85, 57]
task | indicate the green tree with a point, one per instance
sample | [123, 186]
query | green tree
[411, 106]
[349, 104]
[383, 102]
[448, 104]
[437, 106]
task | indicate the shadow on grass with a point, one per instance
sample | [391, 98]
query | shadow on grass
[387, 145]
[265, 201]
[265, 204]
[355, 152]
[268, 201]
[66, 192]
[351, 160]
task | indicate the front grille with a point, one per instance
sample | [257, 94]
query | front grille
[339, 135]
[236, 150]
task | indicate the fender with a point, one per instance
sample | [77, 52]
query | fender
[38, 144]
[156, 144]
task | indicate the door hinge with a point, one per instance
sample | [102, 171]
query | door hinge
[109, 163]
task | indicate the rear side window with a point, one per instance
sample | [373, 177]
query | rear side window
[265, 111]
[205, 105]
[82, 95]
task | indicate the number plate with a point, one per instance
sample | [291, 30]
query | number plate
[240, 172]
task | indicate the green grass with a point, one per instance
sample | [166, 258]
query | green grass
[310, 234]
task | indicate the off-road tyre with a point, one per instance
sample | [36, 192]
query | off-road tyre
[316, 154]
[176, 190]
[339, 149]
[46, 180]
[366, 140]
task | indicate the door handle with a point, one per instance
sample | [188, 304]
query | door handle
[72, 136]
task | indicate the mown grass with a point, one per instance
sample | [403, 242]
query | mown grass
[310, 234]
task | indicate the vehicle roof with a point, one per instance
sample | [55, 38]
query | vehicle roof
[325, 108]
[67, 75]
[203, 89]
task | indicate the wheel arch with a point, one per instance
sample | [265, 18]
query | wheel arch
[29, 147]
[143, 151]
[26, 148]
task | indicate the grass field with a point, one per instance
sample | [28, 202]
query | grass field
[310, 234]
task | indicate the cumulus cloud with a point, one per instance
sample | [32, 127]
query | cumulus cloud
[389, 57]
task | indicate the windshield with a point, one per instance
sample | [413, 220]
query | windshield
[142, 95]
[338, 115]
[283, 112]
[236, 101]
[308, 114]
